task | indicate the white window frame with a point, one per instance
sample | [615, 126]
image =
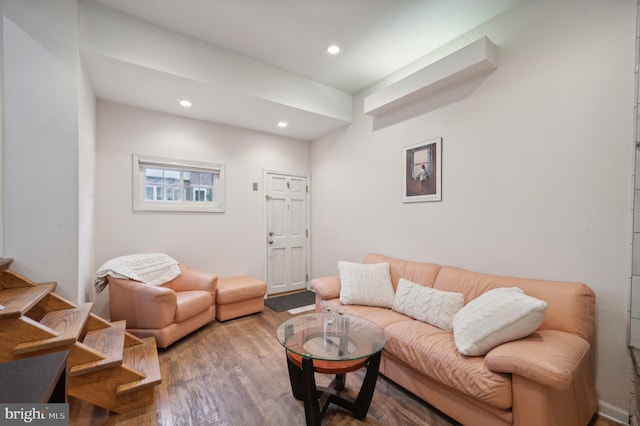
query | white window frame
[139, 185]
[154, 190]
[195, 191]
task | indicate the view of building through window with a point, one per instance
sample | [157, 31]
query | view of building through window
[178, 185]
[166, 184]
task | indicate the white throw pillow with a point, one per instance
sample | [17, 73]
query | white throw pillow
[495, 317]
[426, 304]
[365, 284]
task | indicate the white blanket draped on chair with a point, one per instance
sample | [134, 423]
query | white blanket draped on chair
[148, 268]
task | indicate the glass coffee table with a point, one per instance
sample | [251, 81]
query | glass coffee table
[331, 343]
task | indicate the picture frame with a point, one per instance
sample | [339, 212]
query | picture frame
[422, 170]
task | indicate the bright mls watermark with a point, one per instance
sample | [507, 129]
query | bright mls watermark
[34, 414]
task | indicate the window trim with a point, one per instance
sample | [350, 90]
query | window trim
[139, 185]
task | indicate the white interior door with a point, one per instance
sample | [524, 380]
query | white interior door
[287, 233]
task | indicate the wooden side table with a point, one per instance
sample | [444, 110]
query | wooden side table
[331, 343]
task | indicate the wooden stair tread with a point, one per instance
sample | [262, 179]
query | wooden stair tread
[10, 279]
[106, 365]
[15, 302]
[143, 358]
[109, 342]
[5, 263]
[52, 302]
[68, 322]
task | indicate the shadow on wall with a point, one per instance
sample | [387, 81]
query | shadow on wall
[100, 303]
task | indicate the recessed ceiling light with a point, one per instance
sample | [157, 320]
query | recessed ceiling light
[334, 49]
[185, 103]
[282, 124]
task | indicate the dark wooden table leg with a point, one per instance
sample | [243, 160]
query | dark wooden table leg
[295, 377]
[316, 400]
[339, 382]
[368, 386]
[310, 393]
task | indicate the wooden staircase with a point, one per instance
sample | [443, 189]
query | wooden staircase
[107, 366]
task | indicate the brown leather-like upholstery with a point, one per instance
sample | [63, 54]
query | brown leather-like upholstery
[167, 312]
[239, 296]
[543, 379]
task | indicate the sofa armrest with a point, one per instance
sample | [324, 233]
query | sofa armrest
[194, 279]
[326, 288]
[549, 357]
[141, 305]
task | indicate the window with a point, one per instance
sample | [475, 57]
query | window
[162, 184]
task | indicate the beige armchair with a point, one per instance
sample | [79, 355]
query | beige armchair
[167, 312]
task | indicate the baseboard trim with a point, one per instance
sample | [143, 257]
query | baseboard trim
[614, 413]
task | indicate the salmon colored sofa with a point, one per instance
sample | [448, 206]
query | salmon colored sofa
[544, 379]
[169, 311]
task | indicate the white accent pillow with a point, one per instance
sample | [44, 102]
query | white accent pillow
[496, 317]
[426, 304]
[365, 284]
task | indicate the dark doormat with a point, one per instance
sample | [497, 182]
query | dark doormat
[290, 301]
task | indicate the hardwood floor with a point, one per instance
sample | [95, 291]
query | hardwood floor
[235, 373]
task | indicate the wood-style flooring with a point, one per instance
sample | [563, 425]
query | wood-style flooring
[235, 373]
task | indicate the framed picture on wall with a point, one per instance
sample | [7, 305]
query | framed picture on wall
[422, 172]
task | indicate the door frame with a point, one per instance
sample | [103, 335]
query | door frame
[265, 211]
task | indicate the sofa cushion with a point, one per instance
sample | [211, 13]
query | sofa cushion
[432, 352]
[191, 303]
[381, 317]
[417, 272]
[435, 307]
[365, 284]
[238, 289]
[495, 317]
[570, 305]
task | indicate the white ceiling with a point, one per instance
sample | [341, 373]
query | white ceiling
[285, 40]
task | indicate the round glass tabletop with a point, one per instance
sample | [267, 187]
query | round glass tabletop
[331, 336]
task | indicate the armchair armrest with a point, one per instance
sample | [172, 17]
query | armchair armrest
[193, 279]
[141, 305]
[326, 287]
[549, 357]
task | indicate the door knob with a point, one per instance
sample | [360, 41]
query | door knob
[271, 234]
[270, 241]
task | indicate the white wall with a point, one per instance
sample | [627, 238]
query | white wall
[40, 157]
[537, 170]
[229, 243]
[86, 190]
